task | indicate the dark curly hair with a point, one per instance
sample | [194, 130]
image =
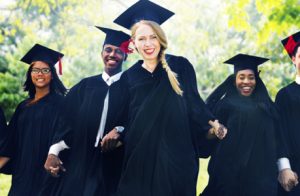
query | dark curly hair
[56, 86]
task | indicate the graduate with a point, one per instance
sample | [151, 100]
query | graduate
[166, 113]
[32, 126]
[91, 128]
[288, 102]
[244, 163]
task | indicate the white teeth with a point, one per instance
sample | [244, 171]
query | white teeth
[111, 61]
[40, 80]
[246, 88]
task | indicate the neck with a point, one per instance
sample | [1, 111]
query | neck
[150, 65]
[112, 72]
[41, 92]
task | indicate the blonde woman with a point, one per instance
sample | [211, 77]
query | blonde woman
[166, 115]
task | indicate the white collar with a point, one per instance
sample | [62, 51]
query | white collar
[111, 79]
[297, 80]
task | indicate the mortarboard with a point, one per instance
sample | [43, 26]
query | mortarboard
[290, 43]
[42, 53]
[116, 38]
[143, 10]
[244, 61]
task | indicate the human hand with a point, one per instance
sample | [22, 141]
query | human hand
[110, 141]
[288, 179]
[217, 129]
[53, 165]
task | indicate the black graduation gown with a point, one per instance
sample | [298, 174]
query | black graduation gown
[244, 162]
[288, 103]
[31, 132]
[3, 132]
[89, 172]
[160, 153]
[3, 142]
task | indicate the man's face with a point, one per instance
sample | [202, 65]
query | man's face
[113, 58]
[296, 60]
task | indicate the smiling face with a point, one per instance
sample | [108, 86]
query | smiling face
[113, 58]
[41, 75]
[147, 43]
[245, 82]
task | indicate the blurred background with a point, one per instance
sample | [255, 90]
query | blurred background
[207, 33]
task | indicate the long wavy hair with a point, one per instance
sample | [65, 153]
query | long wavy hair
[162, 39]
[56, 86]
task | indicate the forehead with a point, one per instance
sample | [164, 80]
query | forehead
[39, 64]
[143, 30]
[110, 46]
[245, 72]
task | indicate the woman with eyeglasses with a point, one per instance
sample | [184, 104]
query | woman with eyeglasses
[32, 126]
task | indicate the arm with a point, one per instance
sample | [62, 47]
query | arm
[200, 115]
[286, 177]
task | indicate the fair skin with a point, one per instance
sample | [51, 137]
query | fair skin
[296, 61]
[40, 80]
[286, 177]
[147, 44]
[113, 58]
[245, 82]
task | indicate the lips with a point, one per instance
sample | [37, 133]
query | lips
[246, 89]
[111, 61]
[149, 51]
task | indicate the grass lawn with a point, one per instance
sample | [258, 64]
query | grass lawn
[202, 179]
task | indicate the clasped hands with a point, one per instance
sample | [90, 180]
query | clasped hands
[217, 129]
[288, 179]
[54, 165]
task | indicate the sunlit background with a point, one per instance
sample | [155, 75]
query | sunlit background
[205, 32]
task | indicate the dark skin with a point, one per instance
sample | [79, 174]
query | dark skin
[113, 58]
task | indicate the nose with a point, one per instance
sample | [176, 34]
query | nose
[147, 42]
[246, 81]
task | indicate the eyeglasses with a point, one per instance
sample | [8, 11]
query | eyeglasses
[43, 70]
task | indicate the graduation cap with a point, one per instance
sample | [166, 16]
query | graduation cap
[42, 53]
[244, 61]
[290, 43]
[117, 38]
[143, 10]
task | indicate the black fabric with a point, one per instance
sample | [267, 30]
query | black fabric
[244, 162]
[4, 137]
[31, 130]
[288, 103]
[89, 172]
[160, 152]
[3, 131]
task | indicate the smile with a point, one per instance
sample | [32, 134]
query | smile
[149, 51]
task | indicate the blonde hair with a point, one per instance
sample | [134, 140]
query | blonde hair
[164, 45]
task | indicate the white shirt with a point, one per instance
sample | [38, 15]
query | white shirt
[284, 163]
[61, 145]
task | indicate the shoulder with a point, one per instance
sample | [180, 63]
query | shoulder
[285, 91]
[89, 81]
[136, 66]
[179, 63]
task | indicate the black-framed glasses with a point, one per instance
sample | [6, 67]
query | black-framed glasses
[43, 70]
